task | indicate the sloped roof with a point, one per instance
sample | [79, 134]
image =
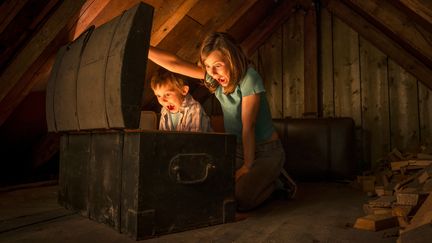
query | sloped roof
[31, 31]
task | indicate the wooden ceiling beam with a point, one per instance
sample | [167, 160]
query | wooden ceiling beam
[239, 12]
[33, 64]
[37, 45]
[260, 33]
[388, 46]
[246, 23]
[171, 21]
[419, 10]
[397, 25]
[8, 10]
[18, 32]
[88, 13]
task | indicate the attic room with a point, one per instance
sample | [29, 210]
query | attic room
[348, 85]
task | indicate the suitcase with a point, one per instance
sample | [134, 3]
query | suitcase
[318, 148]
[148, 183]
[142, 183]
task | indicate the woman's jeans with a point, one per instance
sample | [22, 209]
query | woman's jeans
[256, 186]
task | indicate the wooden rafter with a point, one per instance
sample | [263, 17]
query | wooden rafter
[9, 9]
[419, 10]
[397, 25]
[34, 63]
[29, 57]
[243, 9]
[403, 57]
[159, 34]
[265, 29]
[17, 32]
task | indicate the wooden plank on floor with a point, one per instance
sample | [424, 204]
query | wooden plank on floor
[28, 220]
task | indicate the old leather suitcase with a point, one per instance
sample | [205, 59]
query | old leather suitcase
[318, 148]
[148, 183]
[97, 81]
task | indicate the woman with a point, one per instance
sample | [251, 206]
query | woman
[240, 91]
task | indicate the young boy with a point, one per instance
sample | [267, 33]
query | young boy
[180, 112]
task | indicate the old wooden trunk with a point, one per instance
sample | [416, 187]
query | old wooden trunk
[150, 182]
[97, 81]
[140, 182]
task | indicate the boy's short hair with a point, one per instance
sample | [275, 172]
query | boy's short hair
[164, 77]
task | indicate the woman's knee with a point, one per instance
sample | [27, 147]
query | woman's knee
[249, 199]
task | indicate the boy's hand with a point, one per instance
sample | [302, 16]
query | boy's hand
[241, 171]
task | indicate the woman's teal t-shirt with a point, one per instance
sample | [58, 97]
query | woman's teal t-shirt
[231, 106]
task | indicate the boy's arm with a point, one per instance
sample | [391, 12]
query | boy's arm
[174, 63]
[162, 122]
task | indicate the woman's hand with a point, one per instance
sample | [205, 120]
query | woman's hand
[241, 171]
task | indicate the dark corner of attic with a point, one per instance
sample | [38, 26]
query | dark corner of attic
[30, 155]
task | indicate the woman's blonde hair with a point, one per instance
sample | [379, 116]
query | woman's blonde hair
[163, 77]
[233, 54]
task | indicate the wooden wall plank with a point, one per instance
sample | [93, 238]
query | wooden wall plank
[271, 71]
[375, 102]
[425, 114]
[310, 62]
[293, 66]
[346, 71]
[326, 63]
[404, 116]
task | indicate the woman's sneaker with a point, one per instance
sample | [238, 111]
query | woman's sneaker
[286, 185]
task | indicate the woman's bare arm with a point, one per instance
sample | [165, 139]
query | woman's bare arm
[174, 63]
[250, 107]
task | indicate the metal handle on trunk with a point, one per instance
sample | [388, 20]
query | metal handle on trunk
[190, 168]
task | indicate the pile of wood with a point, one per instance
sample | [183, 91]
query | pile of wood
[402, 197]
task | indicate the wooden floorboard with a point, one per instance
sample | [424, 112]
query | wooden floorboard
[321, 212]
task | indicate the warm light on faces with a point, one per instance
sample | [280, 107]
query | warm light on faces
[217, 68]
[170, 97]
